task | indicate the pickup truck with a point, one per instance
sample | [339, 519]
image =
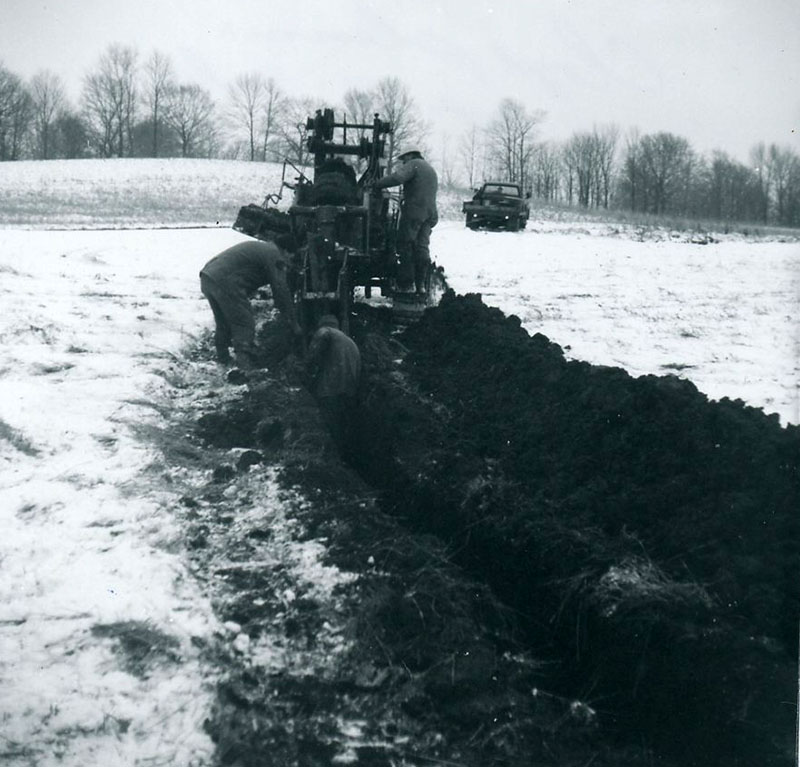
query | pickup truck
[497, 204]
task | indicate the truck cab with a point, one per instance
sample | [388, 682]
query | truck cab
[497, 205]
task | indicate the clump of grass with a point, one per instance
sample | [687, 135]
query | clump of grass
[638, 582]
[17, 439]
[139, 644]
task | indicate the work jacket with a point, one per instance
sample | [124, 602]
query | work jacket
[247, 266]
[333, 363]
[420, 184]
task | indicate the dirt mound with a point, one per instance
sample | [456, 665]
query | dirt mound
[649, 536]
[557, 563]
[427, 667]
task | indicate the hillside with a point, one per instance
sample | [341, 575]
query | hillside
[139, 193]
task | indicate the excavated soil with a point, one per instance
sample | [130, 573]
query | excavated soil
[557, 563]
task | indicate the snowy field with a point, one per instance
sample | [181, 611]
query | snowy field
[131, 193]
[722, 314]
[91, 319]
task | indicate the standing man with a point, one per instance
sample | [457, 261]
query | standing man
[418, 215]
[229, 279]
[333, 368]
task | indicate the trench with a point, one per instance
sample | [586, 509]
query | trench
[618, 554]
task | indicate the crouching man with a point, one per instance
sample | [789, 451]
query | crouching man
[333, 368]
[229, 279]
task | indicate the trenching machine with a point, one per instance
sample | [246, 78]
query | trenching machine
[341, 231]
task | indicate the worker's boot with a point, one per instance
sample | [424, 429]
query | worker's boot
[245, 360]
[405, 274]
[224, 355]
[421, 276]
[222, 343]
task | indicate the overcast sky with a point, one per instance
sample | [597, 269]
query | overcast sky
[723, 73]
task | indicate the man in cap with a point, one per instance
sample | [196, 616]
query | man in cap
[229, 279]
[333, 368]
[418, 215]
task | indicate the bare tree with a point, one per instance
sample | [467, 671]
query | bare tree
[396, 105]
[784, 172]
[792, 207]
[659, 173]
[606, 139]
[666, 160]
[589, 160]
[510, 140]
[158, 82]
[71, 135]
[732, 190]
[272, 113]
[294, 132]
[468, 151]
[109, 101]
[777, 173]
[760, 161]
[246, 104]
[16, 111]
[101, 114]
[189, 112]
[546, 169]
[360, 108]
[47, 92]
[631, 183]
[579, 157]
[446, 174]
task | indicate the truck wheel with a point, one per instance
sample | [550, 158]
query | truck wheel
[513, 225]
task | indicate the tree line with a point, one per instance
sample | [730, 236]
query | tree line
[134, 107]
[658, 173]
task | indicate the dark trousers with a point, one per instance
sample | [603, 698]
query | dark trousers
[413, 240]
[340, 416]
[233, 318]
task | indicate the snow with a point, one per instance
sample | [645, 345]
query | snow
[131, 192]
[88, 319]
[723, 314]
[303, 562]
[92, 319]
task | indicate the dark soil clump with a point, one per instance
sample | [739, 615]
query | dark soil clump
[649, 537]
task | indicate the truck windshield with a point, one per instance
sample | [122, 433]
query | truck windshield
[507, 189]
